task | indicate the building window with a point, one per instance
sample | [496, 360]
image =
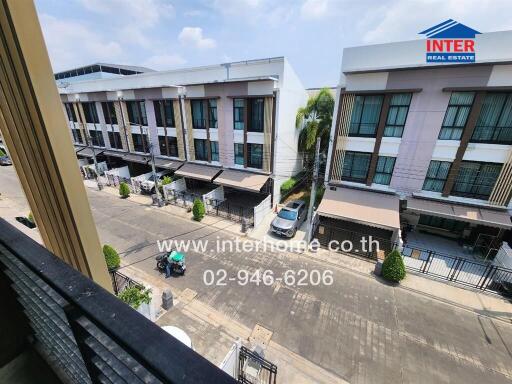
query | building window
[214, 150]
[140, 143]
[476, 180]
[384, 170]
[355, 166]
[494, 124]
[238, 114]
[115, 140]
[137, 112]
[239, 154]
[90, 113]
[96, 138]
[256, 109]
[442, 223]
[168, 146]
[456, 115]
[70, 111]
[164, 113]
[201, 149]
[198, 120]
[212, 113]
[397, 114]
[77, 136]
[365, 115]
[437, 174]
[255, 156]
[109, 112]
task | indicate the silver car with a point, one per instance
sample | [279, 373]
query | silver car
[4, 160]
[289, 219]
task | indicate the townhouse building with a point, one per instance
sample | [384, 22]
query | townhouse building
[421, 152]
[229, 125]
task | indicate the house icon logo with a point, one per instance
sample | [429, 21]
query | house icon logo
[451, 42]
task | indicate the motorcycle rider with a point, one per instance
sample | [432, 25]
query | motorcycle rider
[168, 264]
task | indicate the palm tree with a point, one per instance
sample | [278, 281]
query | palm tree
[314, 120]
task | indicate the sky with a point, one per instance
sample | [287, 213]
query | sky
[311, 34]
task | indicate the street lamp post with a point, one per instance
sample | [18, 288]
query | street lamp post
[159, 200]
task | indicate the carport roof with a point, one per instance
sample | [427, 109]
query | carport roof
[198, 171]
[470, 214]
[242, 180]
[365, 207]
[167, 163]
[114, 153]
[87, 151]
[136, 158]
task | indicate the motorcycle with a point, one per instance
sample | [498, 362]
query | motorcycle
[177, 262]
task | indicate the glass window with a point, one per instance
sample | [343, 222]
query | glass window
[90, 113]
[164, 113]
[255, 156]
[96, 138]
[256, 115]
[214, 150]
[198, 120]
[239, 154]
[137, 112]
[384, 170]
[168, 146]
[494, 125]
[238, 113]
[365, 115]
[437, 174]
[201, 149]
[140, 142]
[70, 111]
[212, 113]
[77, 135]
[456, 115]
[109, 112]
[442, 223]
[355, 166]
[397, 114]
[476, 180]
[115, 140]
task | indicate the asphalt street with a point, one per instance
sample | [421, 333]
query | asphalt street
[358, 328]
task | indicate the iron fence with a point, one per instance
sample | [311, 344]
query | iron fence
[120, 282]
[230, 211]
[254, 369]
[182, 198]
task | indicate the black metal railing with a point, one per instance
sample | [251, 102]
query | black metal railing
[254, 369]
[183, 199]
[84, 332]
[120, 282]
[230, 211]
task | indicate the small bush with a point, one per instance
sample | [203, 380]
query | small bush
[287, 186]
[2, 153]
[198, 210]
[30, 217]
[135, 296]
[124, 190]
[166, 180]
[111, 257]
[393, 268]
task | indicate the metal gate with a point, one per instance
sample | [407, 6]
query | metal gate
[231, 211]
[120, 282]
[182, 198]
[254, 369]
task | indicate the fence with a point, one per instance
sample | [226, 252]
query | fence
[459, 270]
[120, 282]
[183, 199]
[231, 211]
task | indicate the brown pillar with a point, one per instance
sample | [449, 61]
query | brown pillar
[36, 135]
[378, 138]
[464, 140]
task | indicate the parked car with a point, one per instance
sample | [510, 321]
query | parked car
[148, 185]
[4, 160]
[289, 219]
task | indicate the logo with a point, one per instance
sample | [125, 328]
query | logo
[450, 42]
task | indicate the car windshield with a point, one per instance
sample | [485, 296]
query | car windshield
[287, 215]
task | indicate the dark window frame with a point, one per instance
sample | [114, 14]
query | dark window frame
[165, 106]
[256, 116]
[90, 112]
[455, 128]
[366, 155]
[475, 187]
[214, 150]
[137, 113]
[398, 107]
[238, 154]
[359, 123]
[115, 139]
[382, 172]
[168, 145]
[257, 164]
[143, 144]
[198, 122]
[109, 112]
[436, 177]
[495, 127]
[239, 113]
[203, 155]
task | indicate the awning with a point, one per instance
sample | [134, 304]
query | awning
[242, 180]
[460, 212]
[364, 207]
[87, 152]
[114, 153]
[198, 171]
[135, 158]
[167, 163]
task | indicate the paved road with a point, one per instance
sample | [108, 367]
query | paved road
[358, 328]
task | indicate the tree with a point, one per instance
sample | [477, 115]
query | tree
[198, 210]
[314, 120]
[124, 190]
[393, 268]
[111, 257]
[135, 296]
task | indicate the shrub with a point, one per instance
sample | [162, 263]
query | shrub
[111, 257]
[2, 153]
[287, 186]
[135, 296]
[393, 268]
[124, 190]
[166, 180]
[198, 210]
[30, 218]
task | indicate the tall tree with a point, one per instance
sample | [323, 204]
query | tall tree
[314, 120]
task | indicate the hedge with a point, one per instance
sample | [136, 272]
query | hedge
[111, 257]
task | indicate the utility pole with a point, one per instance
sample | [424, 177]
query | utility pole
[88, 141]
[313, 190]
[159, 200]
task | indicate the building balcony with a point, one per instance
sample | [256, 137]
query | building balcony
[59, 326]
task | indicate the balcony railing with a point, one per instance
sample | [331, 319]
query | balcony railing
[84, 332]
